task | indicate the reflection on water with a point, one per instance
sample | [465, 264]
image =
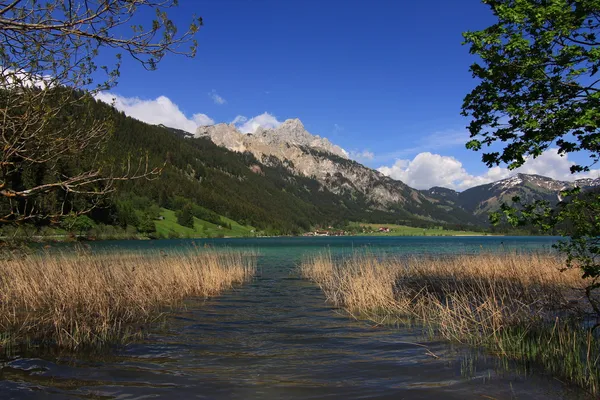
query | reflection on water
[276, 338]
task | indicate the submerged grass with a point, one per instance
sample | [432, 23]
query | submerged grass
[76, 300]
[519, 306]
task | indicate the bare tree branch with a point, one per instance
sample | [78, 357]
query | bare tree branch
[48, 78]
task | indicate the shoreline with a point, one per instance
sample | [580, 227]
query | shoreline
[85, 239]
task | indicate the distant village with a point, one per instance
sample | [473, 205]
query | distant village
[330, 231]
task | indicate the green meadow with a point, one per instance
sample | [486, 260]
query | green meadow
[169, 228]
[363, 229]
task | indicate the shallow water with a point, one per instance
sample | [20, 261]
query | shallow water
[276, 338]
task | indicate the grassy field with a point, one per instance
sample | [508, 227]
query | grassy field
[403, 230]
[168, 227]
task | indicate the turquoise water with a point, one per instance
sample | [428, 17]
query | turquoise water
[277, 338]
[295, 247]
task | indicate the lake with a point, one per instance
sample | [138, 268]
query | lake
[277, 338]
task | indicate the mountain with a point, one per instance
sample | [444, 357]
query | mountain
[201, 180]
[289, 133]
[286, 180]
[481, 200]
[275, 181]
[253, 186]
[302, 154]
[231, 184]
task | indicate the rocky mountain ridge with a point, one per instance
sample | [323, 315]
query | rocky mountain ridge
[482, 199]
[290, 132]
[291, 146]
[312, 156]
[544, 182]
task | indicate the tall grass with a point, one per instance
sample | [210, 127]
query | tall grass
[519, 306]
[77, 300]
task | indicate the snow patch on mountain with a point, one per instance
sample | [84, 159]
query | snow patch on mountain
[509, 183]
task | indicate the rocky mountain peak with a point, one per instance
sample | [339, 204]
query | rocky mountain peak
[291, 131]
[547, 183]
[292, 125]
[442, 191]
[482, 199]
[588, 182]
[226, 135]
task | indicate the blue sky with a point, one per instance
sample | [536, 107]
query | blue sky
[383, 79]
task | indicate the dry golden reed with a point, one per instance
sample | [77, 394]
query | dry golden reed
[81, 299]
[476, 288]
[520, 306]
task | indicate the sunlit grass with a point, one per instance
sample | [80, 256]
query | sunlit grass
[76, 300]
[519, 306]
[168, 227]
[404, 230]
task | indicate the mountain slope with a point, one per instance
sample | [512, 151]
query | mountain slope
[286, 180]
[277, 181]
[264, 192]
[290, 146]
[234, 185]
[483, 199]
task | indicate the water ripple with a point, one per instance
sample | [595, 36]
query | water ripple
[276, 338]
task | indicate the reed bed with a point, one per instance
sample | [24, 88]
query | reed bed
[519, 306]
[76, 300]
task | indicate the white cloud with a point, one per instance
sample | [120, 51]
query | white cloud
[10, 78]
[202, 119]
[552, 164]
[216, 98]
[163, 111]
[364, 155]
[239, 119]
[427, 170]
[264, 120]
[158, 111]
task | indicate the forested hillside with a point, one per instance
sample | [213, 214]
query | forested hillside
[201, 183]
[204, 180]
